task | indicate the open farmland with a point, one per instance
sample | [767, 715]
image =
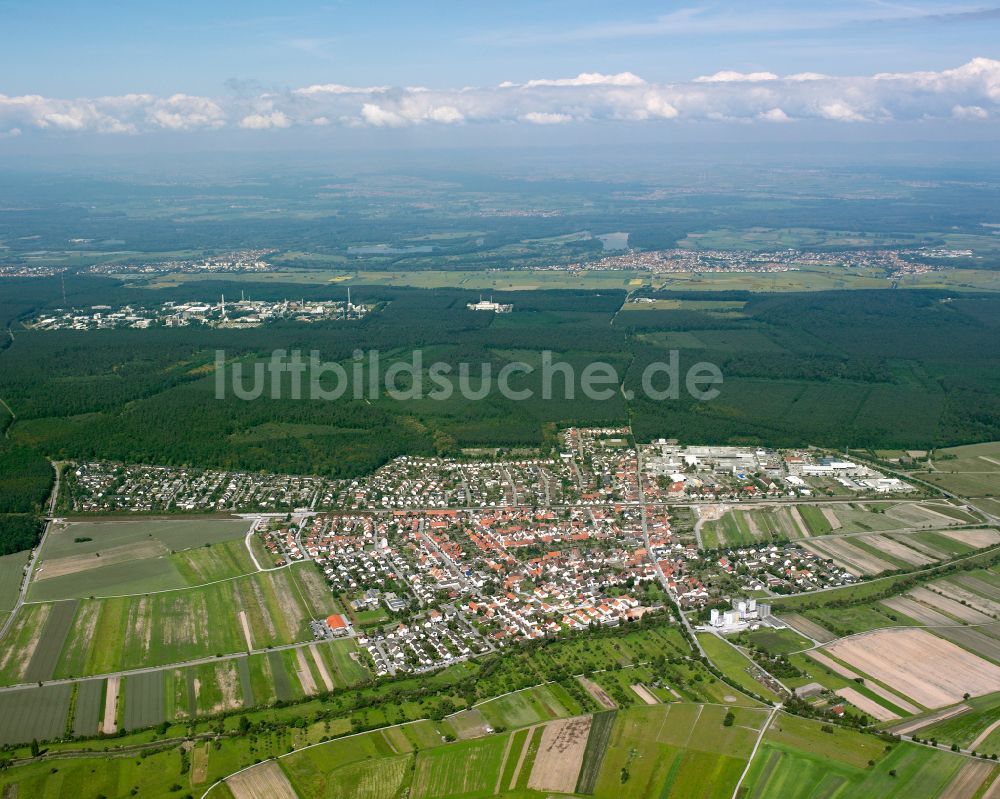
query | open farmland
[529, 706]
[111, 558]
[560, 755]
[468, 767]
[799, 761]
[931, 671]
[34, 713]
[677, 750]
[175, 626]
[972, 470]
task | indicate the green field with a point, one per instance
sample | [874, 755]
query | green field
[528, 707]
[972, 470]
[112, 558]
[677, 750]
[11, 572]
[797, 760]
[121, 633]
[733, 664]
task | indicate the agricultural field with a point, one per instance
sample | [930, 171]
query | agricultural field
[676, 750]
[531, 706]
[798, 760]
[34, 713]
[78, 638]
[898, 659]
[972, 470]
[467, 767]
[112, 558]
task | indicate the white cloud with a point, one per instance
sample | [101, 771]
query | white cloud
[774, 115]
[337, 88]
[543, 118]
[727, 76]
[583, 79]
[969, 112]
[276, 119]
[966, 93]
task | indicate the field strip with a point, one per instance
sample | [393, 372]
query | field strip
[246, 630]
[644, 694]
[866, 705]
[305, 673]
[321, 668]
[599, 694]
[926, 721]
[984, 734]
[108, 725]
[503, 762]
[524, 753]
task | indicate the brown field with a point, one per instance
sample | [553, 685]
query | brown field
[808, 628]
[981, 640]
[109, 724]
[598, 693]
[73, 564]
[983, 604]
[831, 517]
[974, 538]
[950, 606]
[967, 782]
[898, 550]
[560, 755]
[930, 670]
[643, 693]
[324, 673]
[304, 672]
[800, 524]
[856, 561]
[832, 665]
[266, 781]
[866, 705]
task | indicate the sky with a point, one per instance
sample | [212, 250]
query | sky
[349, 70]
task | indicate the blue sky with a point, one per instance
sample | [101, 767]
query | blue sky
[248, 59]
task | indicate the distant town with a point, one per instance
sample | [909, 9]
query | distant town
[242, 313]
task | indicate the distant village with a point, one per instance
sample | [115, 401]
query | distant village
[233, 262]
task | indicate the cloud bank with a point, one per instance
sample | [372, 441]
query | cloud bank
[970, 93]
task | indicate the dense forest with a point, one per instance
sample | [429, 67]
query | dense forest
[889, 368]
[26, 479]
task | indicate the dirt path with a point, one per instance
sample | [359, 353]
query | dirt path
[503, 762]
[521, 758]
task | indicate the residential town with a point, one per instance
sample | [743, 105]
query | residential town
[434, 560]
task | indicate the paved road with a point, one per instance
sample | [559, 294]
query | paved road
[30, 570]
